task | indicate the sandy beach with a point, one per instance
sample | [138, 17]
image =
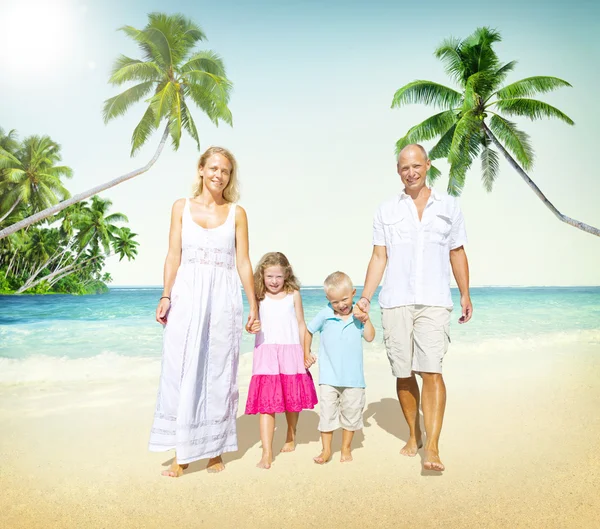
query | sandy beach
[520, 442]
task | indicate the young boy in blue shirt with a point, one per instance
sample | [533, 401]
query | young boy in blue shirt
[341, 377]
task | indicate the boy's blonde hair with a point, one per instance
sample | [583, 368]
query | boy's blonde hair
[231, 193]
[337, 280]
[290, 282]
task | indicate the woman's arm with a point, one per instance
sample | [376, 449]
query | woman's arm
[300, 316]
[244, 267]
[172, 261]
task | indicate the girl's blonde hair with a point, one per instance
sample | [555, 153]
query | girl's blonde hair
[290, 283]
[231, 193]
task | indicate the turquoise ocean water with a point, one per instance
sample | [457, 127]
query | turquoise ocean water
[46, 338]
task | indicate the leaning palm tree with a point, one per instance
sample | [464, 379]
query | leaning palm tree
[169, 77]
[473, 120]
[32, 176]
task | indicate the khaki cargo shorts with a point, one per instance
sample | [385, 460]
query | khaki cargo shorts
[341, 407]
[416, 338]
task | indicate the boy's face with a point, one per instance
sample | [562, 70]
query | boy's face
[341, 299]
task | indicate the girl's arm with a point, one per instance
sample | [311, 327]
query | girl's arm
[369, 331]
[309, 359]
[244, 267]
[300, 316]
[172, 261]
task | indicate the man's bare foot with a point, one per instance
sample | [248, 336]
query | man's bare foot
[346, 456]
[322, 458]
[215, 464]
[175, 471]
[265, 462]
[290, 446]
[411, 447]
[433, 461]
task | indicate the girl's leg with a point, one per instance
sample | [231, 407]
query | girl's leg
[292, 423]
[176, 469]
[325, 455]
[267, 429]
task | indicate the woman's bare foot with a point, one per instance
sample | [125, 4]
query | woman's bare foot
[175, 471]
[411, 447]
[215, 464]
[346, 456]
[322, 458]
[433, 461]
[265, 461]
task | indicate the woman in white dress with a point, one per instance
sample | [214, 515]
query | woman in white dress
[201, 309]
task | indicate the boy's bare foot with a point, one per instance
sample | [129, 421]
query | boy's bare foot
[265, 462]
[175, 471]
[322, 458]
[214, 465]
[433, 461]
[289, 446]
[411, 447]
[346, 456]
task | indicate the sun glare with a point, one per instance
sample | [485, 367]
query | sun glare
[35, 35]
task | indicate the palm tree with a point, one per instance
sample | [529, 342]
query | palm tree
[31, 175]
[472, 120]
[96, 229]
[124, 244]
[172, 74]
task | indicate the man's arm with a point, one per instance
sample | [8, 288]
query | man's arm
[460, 269]
[374, 275]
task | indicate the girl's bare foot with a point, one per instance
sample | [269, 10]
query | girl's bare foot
[433, 461]
[411, 447]
[265, 462]
[215, 464]
[322, 458]
[346, 456]
[175, 471]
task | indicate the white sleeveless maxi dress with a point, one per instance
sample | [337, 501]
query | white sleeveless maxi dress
[197, 399]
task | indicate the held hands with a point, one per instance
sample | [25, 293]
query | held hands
[361, 309]
[467, 309]
[164, 305]
[253, 324]
[309, 360]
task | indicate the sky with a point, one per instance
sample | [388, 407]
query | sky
[313, 130]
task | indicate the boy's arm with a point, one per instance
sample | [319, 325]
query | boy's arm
[369, 331]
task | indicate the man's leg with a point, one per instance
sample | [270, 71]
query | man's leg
[431, 339]
[434, 405]
[408, 395]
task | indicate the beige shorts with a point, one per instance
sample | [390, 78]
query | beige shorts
[416, 338]
[341, 407]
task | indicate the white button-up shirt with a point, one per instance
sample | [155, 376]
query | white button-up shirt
[418, 251]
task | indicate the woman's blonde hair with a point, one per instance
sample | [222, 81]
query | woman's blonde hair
[290, 282]
[231, 193]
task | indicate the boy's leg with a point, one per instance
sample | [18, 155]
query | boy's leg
[352, 404]
[329, 404]
[267, 429]
[292, 423]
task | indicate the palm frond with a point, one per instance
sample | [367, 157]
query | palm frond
[161, 103]
[427, 93]
[462, 148]
[175, 121]
[442, 148]
[531, 86]
[433, 174]
[143, 130]
[449, 53]
[489, 167]
[531, 108]
[188, 123]
[118, 105]
[435, 125]
[126, 69]
[148, 49]
[515, 140]
[211, 102]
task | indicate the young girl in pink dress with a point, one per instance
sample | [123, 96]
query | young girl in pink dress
[280, 382]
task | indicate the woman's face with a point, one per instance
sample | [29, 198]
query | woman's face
[216, 173]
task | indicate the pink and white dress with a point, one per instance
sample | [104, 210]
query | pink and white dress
[280, 382]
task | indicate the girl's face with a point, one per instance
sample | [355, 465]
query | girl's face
[274, 277]
[216, 173]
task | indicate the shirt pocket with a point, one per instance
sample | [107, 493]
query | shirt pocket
[440, 228]
[396, 230]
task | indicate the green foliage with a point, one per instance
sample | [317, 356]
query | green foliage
[170, 75]
[65, 253]
[477, 110]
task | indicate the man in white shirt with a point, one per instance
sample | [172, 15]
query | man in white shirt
[418, 236]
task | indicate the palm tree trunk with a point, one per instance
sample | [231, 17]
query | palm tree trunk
[48, 212]
[11, 209]
[575, 223]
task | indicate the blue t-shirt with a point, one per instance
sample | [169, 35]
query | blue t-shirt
[340, 350]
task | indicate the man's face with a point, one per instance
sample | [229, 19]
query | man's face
[341, 299]
[412, 168]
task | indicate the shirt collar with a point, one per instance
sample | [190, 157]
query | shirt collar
[434, 195]
[334, 316]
